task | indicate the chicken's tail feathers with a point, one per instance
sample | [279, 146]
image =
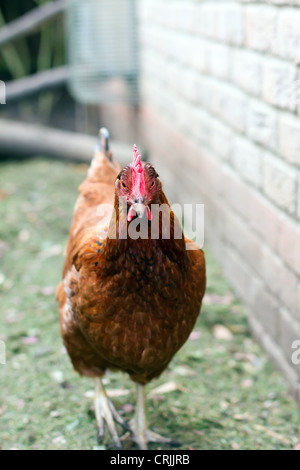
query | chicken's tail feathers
[103, 160]
[104, 139]
[103, 144]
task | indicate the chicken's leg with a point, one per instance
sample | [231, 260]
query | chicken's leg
[105, 412]
[142, 435]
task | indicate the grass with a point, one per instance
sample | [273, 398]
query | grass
[220, 393]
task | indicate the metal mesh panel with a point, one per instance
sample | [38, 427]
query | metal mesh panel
[102, 50]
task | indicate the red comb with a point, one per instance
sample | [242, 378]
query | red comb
[137, 164]
[138, 175]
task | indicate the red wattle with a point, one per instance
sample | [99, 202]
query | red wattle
[130, 214]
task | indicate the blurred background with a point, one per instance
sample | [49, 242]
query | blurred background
[210, 90]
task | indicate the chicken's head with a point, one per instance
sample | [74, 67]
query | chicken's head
[138, 182]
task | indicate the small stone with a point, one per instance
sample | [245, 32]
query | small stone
[221, 332]
[57, 376]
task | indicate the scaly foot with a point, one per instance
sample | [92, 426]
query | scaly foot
[141, 434]
[106, 413]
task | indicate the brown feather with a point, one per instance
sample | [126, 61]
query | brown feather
[125, 304]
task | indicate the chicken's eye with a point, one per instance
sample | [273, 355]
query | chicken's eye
[124, 185]
[152, 184]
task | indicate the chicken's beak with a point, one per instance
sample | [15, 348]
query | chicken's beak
[138, 208]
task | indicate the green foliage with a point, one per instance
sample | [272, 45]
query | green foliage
[38, 51]
[224, 393]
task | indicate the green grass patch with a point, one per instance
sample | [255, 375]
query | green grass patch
[226, 394]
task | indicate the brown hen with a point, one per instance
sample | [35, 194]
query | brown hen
[127, 301]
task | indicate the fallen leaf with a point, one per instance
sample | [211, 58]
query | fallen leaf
[128, 408]
[271, 433]
[269, 403]
[235, 446]
[121, 392]
[224, 404]
[168, 387]
[59, 440]
[221, 332]
[247, 383]
[241, 356]
[159, 397]
[28, 340]
[243, 417]
[194, 335]
[117, 392]
[184, 371]
[226, 299]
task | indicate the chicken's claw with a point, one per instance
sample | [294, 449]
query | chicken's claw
[106, 413]
[143, 437]
[154, 437]
[141, 434]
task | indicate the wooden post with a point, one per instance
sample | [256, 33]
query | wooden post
[47, 80]
[22, 139]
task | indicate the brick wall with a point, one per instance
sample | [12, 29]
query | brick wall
[220, 115]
